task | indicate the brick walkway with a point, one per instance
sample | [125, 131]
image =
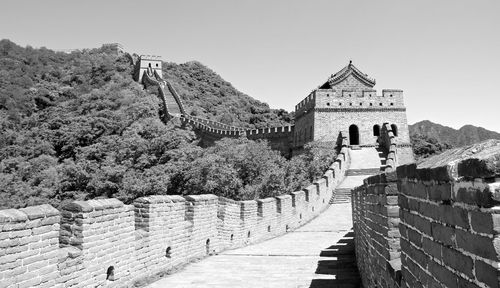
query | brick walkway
[291, 260]
[318, 254]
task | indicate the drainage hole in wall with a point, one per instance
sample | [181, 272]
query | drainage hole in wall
[268, 228]
[168, 252]
[110, 273]
[248, 235]
[232, 237]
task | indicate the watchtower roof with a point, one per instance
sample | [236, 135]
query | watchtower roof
[348, 70]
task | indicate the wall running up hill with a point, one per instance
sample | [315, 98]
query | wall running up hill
[107, 243]
[433, 226]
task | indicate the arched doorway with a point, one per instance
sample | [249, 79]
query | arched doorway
[353, 135]
[376, 130]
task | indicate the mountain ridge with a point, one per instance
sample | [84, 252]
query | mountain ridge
[465, 135]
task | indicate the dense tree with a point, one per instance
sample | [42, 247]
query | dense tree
[425, 146]
[207, 95]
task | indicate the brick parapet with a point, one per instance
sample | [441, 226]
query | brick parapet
[78, 246]
[375, 220]
[279, 138]
[449, 222]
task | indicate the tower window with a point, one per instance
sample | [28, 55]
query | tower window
[156, 64]
[350, 104]
[371, 104]
[392, 104]
[149, 65]
[394, 129]
[380, 104]
[376, 130]
[327, 103]
[361, 104]
[340, 104]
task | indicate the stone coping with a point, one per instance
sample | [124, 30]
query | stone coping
[28, 213]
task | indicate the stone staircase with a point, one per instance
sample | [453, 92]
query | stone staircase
[365, 161]
[172, 105]
[341, 195]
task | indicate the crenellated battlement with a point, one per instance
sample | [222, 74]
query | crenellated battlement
[350, 99]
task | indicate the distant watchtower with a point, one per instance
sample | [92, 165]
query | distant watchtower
[148, 62]
[347, 102]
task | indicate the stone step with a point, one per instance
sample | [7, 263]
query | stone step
[368, 171]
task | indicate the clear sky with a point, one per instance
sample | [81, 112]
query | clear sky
[444, 54]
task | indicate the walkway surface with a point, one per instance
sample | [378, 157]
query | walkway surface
[318, 254]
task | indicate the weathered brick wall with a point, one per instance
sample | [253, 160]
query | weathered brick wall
[448, 229]
[107, 243]
[29, 247]
[103, 231]
[376, 228]
[278, 138]
[329, 122]
[449, 222]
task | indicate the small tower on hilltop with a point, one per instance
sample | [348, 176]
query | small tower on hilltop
[146, 62]
[348, 102]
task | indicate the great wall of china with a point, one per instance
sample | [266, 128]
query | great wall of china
[106, 243]
[435, 225]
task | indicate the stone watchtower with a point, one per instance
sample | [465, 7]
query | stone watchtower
[347, 102]
[148, 62]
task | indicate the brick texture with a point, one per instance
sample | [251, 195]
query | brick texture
[448, 227]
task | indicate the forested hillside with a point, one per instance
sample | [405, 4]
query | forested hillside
[429, 138]
[76, 126]
[205, 94]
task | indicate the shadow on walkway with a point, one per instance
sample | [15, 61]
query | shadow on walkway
[337, 267]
